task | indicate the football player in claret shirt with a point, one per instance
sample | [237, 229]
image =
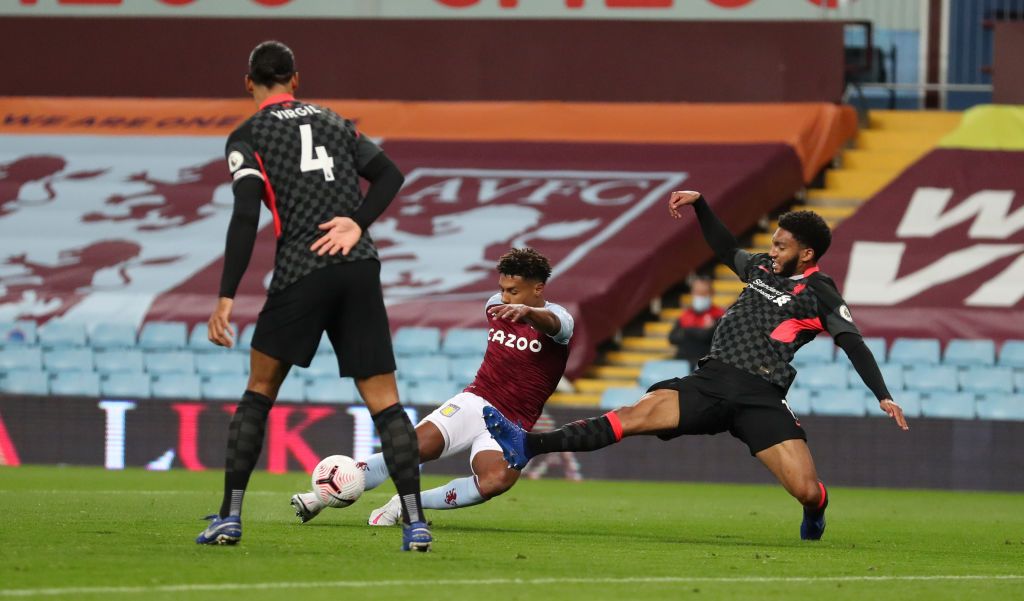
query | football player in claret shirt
[304, 162]
[740, 387]
[527, 349]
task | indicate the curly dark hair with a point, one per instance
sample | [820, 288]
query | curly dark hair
[526, 263]
[809, 229]
[271, 63]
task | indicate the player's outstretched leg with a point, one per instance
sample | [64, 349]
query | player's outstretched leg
[791, 462]
[519, 446]
[307, 505]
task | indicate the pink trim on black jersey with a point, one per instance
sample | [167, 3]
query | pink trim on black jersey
[269, 197]
[616, 423]
[276, 99]
[787, 330]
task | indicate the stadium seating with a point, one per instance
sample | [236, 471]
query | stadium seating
[71, 359]
[1012, 354]
[18, 333]
[463, 370]
[199, 340]
[112, 336]
[799, 401]
[293, 390]
[322, 365]
[245, 337]
[430, 367]
[221, 363]
[1018, 381]
[465, 342]
[431, 392]
[891, 373]
[177, 386]
[914, 351]
[939, 378]
[819, 350]
[126, 385]
[21, 359]
[417, 341]
[838, 401]
[965, 353]
[656, 371]
[952, 405]
[163, 336]
[126, 361]
[76, 383]
[613, 398]
[174, 362]
[824, 375]
[908, 400]
[987, 379]
[877, 348]
[223, 387]
[331, 389]
[33, 382]
[60, 334]
[1001, 406]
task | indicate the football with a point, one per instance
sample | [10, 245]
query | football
[338, 481]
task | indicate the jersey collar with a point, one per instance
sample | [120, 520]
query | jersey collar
[277, 99]
[806, 273]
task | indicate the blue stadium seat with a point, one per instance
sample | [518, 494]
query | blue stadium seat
[199, 341]
[799, 401]
[172, 362]
[417, 341]
[838, 401]
[19, 333]
[126, 361]
[613, 398]
[963, 353]
[62, 334]
[656, 371]
[819, 350]
[1001, 406]
[987, 379]
[914, 351]
[224, 387]
[463, 370]
[33, 382]
[939, 378]
[76, 383]
[1012, 354]
[908, 400]
[331, 389]
[177, 386]
[245, 337]
[824, 375]
[21, 359]
[220, 363]
[892, 374]
[71, 359]
[322, 365]
[431, 367]
[877, 347]
[465, 342]
[431, 392]
[126, 386]
[1018, 381]
[163, 336]
[112, 336]
[948, 405]
[293, 390]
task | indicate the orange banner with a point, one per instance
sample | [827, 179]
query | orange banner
[816, 131]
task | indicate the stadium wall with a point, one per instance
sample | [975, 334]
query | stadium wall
[1008, 73]
[164, 434]
[578, 60]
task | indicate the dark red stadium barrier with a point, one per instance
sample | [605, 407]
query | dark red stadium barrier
[969, 455]
[1008, 70]
[617, 61]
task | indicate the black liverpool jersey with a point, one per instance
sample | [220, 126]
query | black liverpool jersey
[308, 158]
[774, 316]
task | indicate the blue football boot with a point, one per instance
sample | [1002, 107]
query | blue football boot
[221, 531]
[416, 537]
[510, 437]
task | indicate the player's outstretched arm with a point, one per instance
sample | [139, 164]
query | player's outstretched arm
[541, 319]
[718, 237]
[867, 368]
[241, 237]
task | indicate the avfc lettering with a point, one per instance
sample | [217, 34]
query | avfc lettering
[512, 341]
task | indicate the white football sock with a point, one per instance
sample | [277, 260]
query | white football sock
[376, 472]
[461, 492]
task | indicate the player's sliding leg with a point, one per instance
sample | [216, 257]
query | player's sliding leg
[245, 442]
[400, 449]
[655, 412]
[792, 464]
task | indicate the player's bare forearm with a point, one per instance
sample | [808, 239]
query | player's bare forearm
[544, 321]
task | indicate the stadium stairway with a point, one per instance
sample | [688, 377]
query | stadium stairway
[892, 142]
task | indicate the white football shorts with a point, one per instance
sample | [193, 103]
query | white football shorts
[461, 421]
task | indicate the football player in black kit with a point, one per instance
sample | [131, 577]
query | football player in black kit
[740, 386]
[304, 162]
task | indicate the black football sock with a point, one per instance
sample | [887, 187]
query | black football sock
[583, 435]
[245, 441]
[401, 451]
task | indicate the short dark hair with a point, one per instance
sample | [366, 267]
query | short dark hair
[271, 63]
[809, 229]
[525, 263]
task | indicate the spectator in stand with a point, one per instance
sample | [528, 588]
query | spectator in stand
[692, 333]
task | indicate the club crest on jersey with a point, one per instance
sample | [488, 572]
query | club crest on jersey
[235, 161]
[450, 409]
[782, 300]
[844, 312]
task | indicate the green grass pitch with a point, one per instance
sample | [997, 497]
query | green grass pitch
[83, 533]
